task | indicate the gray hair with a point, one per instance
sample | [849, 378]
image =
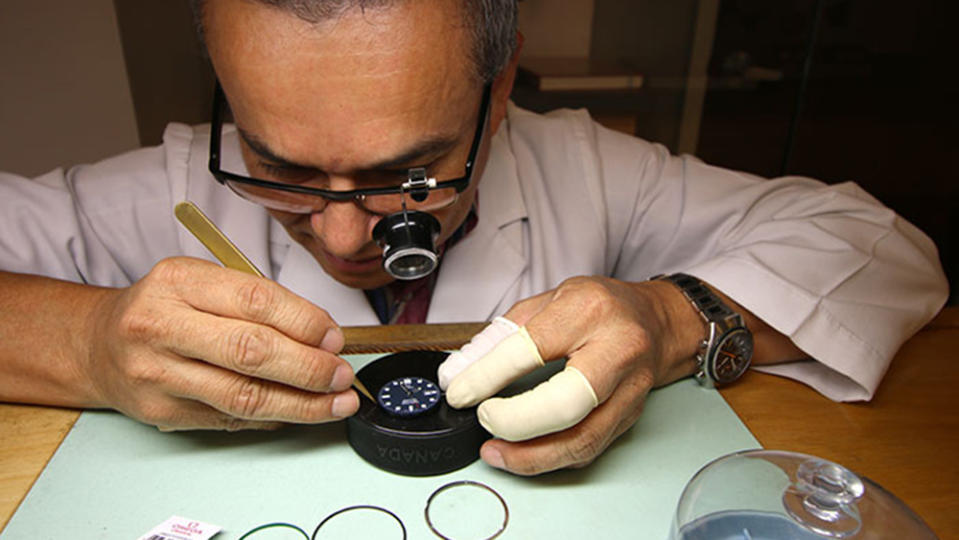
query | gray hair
[492, 25]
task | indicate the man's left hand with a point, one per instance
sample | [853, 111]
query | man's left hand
[621, 340]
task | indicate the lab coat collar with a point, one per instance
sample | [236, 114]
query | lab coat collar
[477, 273]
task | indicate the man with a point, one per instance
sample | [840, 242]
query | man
[559, 229]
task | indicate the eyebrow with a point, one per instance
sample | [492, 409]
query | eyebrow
[265, 152]
[430, 147]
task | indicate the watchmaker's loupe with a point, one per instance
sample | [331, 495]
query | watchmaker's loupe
[408, 240]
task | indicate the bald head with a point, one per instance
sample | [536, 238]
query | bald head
[491, 24]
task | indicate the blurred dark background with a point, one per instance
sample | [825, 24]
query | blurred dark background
[866, 95]
[837, 90]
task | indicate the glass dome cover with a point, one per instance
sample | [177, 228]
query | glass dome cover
[766, 494]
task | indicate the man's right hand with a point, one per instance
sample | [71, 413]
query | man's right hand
[193, 345]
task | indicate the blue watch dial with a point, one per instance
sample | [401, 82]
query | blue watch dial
[408, 396]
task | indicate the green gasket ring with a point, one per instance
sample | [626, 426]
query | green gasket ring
[359, 507]
[274, 526]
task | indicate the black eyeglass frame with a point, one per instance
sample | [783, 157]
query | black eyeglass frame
[416, 185]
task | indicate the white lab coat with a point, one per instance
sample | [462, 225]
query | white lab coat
[847, 279]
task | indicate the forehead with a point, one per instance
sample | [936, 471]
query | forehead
[331, 93]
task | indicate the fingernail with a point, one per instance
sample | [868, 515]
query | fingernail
[333, 340]
[345, 405]
[342, 378]
[492, 457]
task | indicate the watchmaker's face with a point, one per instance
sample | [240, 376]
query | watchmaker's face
[374, 91]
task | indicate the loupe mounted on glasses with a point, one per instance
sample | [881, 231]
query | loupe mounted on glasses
[408, 237]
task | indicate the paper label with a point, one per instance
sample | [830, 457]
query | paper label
[180, 528]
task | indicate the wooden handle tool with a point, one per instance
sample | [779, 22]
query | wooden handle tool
[409, 337]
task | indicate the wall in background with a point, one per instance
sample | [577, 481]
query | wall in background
[655, 38]
[64, 97]
[169, 83]
[556, 29]
[649, 35]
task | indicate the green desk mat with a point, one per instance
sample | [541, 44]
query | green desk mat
[114, 479]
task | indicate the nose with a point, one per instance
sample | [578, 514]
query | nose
[345, 229]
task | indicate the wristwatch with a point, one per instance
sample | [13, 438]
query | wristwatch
[725, 353]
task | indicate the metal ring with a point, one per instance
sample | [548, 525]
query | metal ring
[458, 483]
[359, 507]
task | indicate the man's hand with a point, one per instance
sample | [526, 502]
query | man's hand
[621, 340]
[193, 345]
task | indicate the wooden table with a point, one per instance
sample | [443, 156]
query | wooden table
[906, 439]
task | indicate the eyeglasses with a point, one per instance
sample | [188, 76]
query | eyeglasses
[425, 193]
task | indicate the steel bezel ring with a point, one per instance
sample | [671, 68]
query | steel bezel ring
[459, 483]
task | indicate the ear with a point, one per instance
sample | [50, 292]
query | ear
[503, 86]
